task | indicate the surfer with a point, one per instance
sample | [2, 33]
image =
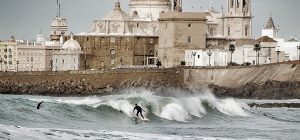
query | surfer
[139, 110]
[39, 105]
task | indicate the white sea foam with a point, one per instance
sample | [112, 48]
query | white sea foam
[179, 108]
[13, 132]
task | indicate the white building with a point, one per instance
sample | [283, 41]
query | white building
[142, 19]
[68, 58]
[215, 57]
[290, 47]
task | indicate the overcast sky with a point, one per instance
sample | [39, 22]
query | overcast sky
[26, 18]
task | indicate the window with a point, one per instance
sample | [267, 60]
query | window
[131, 28]
[137, 25]
[112, 61]
[232, 3]
[244, 3]
[212, 31]
[189, 39]
[135, 13]
[238, 3]
[198, 56]
[115, 28]
[189, 25]
[112, 39]
[246, 31]
[31, 59]
[228, 31]
[151, 40]
[113, 53]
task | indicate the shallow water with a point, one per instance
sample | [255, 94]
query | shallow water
[172, 114]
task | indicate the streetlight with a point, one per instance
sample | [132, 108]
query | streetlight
[17, 65]
[51, 64]
[84, 63]
[257, 49]
[1, 60]
[194, 54]
[299, 50]
[209, 53]
[278, 52]
[231, 49]
[144, 51]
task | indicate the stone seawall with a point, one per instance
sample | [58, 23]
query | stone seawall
[281, 81]
[82, 83]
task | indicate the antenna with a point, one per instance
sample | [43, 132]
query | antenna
[59, 10]
[211, 4]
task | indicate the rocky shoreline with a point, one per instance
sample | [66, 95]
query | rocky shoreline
[269, 90]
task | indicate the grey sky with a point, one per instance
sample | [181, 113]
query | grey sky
[25, 18]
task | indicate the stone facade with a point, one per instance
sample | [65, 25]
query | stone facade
[122, 40]
[116, 51]
[238, 20]
[179, 32]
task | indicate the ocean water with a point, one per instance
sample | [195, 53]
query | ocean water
[173, 114]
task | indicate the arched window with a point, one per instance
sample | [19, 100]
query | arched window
[131, 28]
[113, 53]
[99, 27]
[246, 30]
[212, 31]
[228, 30]
[135, 14]
[115, 28]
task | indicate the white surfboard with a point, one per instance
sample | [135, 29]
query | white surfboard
[141, 119]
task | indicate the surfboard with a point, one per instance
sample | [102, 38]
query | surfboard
[140, 119]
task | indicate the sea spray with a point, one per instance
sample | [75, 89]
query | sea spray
[180, 107]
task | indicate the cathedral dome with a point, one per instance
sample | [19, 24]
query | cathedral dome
[71, 45]
[117, 14]
[148, 9]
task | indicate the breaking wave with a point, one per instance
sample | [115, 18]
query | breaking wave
[181, 107]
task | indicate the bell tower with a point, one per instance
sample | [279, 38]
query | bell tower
[238, 20]
[177, 5]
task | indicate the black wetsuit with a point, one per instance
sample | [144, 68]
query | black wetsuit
[39, 105]
[139, 110]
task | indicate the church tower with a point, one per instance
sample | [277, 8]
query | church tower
[270, 30]
[177, 5]
[238, 20]
[58, 26]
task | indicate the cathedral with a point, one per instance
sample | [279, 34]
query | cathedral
[131, 39]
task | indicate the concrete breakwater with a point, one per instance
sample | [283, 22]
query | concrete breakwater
[281, 81]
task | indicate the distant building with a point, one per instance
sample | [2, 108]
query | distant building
[68, 58]
[7, 55]
[288, 48]
[235, 23]
[34, 57]
[120, 39]
[180, 31]
[59, 25]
